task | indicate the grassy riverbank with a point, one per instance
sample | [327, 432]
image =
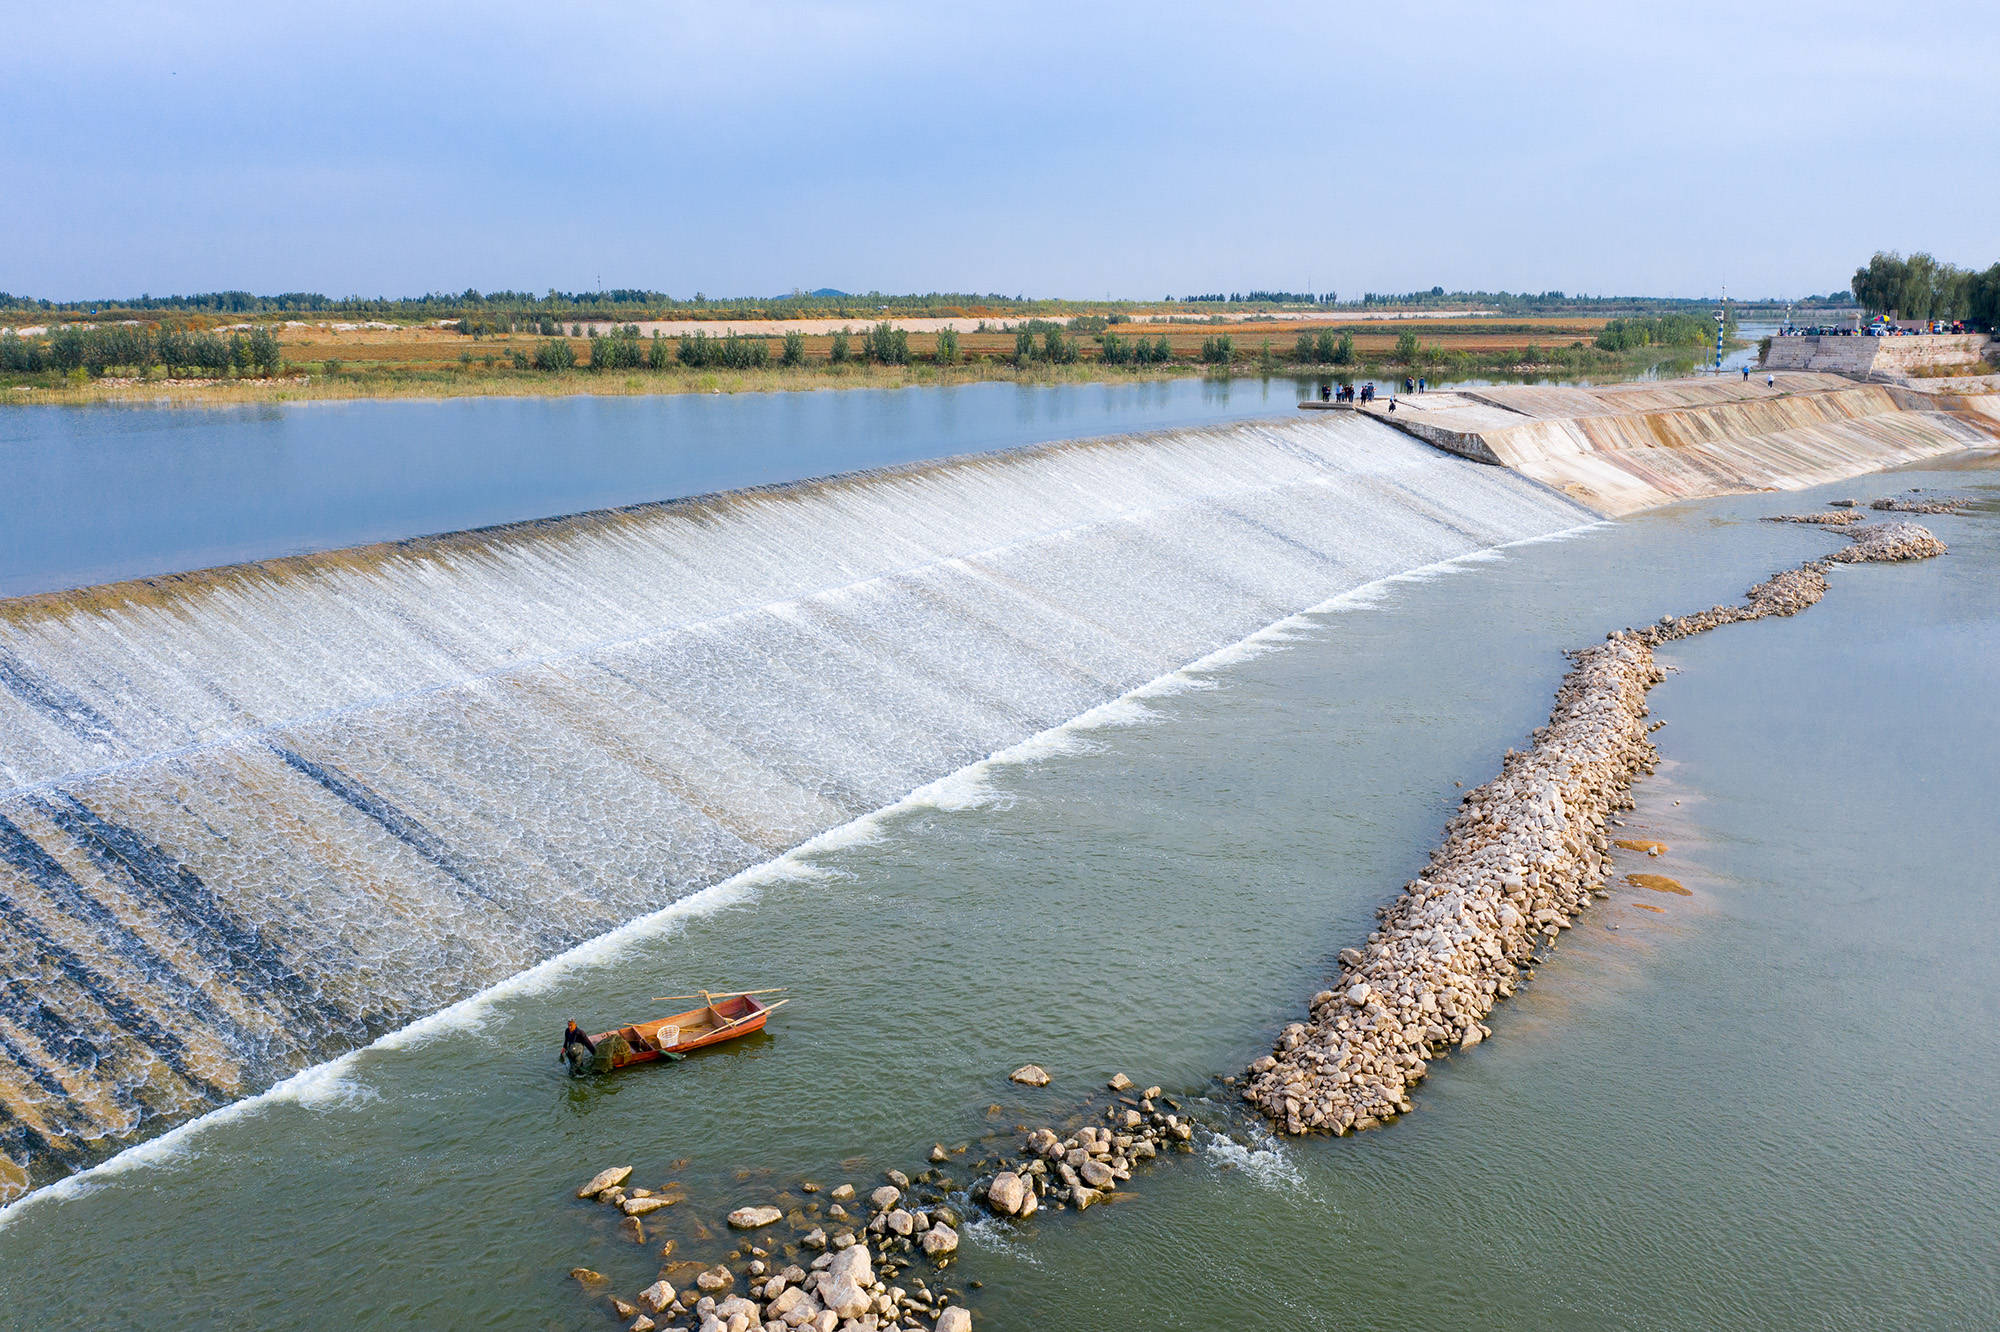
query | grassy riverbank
[315, 382]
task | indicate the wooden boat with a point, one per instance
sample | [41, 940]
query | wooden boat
[722, 1017]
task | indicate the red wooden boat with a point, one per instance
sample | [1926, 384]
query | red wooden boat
[722, 1017]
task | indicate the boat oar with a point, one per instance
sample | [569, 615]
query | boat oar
[729, 994]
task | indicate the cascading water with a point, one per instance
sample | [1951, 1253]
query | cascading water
[255, 816]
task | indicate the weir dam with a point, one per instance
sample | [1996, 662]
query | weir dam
[252, 818]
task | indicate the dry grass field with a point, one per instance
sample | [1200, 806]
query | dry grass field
[430, 348]
[328, 361]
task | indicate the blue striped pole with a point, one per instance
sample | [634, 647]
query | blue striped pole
[1718, 333]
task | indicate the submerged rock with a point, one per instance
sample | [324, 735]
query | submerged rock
[1030, 1075]
[750, 1218]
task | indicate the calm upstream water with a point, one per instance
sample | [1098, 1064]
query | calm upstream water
[1770, 1102]
[100, 494]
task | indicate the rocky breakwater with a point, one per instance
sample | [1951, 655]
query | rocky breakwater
[874, 1260]
[1524, 855]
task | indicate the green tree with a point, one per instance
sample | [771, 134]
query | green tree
[1982, 299]
[947, 346]
[1024, 347]
[1057, 349]
[266, 356]
[839, 351]
[171, 346]
[555, 355]
[795, 349]
[887, 344]
[1307, 350]
[1218, 350]
[1406, 347]
[1343, 351]
[1267, 360]
[67, 350]
[17, 354]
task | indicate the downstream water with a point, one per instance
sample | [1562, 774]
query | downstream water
[1769, 1103]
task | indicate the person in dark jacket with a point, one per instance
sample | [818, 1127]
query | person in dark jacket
[573, 1035]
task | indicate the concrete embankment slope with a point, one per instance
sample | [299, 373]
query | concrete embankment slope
[1631, 446]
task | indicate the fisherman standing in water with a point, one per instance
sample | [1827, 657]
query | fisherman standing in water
[573, 1035]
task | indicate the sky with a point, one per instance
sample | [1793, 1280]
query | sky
[1083, 150]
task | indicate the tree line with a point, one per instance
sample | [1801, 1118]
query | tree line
[1922, 287]
[1677, 330]
[624, 349]
[137, 349]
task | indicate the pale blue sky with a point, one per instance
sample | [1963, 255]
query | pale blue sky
[1074, 149]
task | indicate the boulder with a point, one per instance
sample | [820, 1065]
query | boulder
[716, 1278]
[657, 1296]
[604, 1179]
[1119, 1082]
[842, 1193]
[750, 1218]
[885, 1197]
[644, 1206]
[951, 1318]
[1006, 1193]
[844, 1287]
[642, 1324]
[1029, 1075]
[940, 1240]
[814, 1238]
[902, 1222]
[1095, 1173]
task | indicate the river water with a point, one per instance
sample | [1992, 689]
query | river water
[1771, 1102]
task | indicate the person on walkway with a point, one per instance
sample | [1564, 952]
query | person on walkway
[1770, 381]
[1746, 374]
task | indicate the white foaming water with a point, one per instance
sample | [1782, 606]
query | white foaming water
[1262, 1160]
[331, 1085]
[269, 814]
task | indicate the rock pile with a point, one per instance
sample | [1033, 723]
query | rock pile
[1079, 1169]
[1893, 505]
[849, 1288]
[1524, 855]
[1838, 518]
[877, 1267]
[1879, 542]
